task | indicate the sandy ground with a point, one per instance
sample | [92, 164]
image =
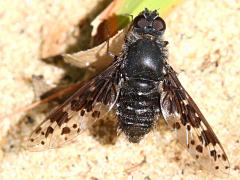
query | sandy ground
[203, 47]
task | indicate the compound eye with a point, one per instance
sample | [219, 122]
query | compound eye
[140, 22]
[159, 24]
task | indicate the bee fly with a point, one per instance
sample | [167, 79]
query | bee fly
[141, 87]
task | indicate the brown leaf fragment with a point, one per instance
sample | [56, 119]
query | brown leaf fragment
[97, 56]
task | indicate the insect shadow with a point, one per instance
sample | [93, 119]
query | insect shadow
[105, 130]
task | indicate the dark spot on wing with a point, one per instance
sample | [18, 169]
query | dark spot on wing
[184, 119]
[74, 126]
[199, 148]
[37, 131]
[213, 153]
[65, 130]
[188, 127]
[224, 157]
[216, 167]
[59, 117]
[49, 131]
[82, 112]
[192, 142]
[42, 142]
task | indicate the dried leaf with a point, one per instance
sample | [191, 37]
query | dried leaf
[98, 56]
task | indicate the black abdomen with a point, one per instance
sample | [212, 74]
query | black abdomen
[137, 107]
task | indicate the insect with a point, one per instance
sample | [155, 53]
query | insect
[141, 87]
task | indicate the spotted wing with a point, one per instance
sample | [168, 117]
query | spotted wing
[89, 103]
[193, 131]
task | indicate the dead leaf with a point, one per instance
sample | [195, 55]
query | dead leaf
[97, 57]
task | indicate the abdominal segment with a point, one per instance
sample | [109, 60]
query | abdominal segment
[137, 106]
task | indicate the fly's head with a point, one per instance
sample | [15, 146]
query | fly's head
[149, 23]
